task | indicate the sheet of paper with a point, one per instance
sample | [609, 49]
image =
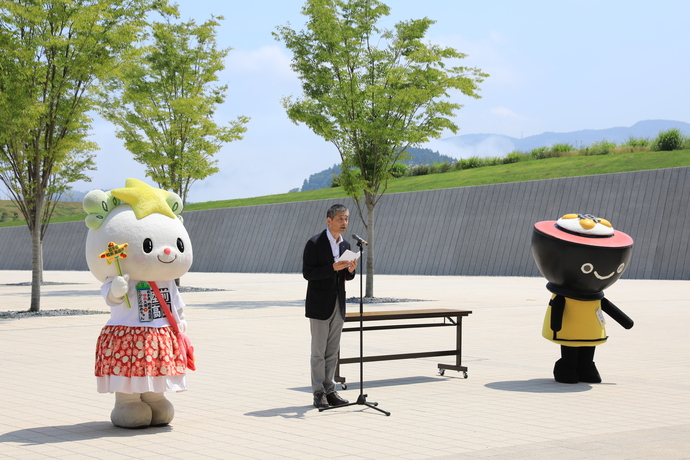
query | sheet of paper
[348, 256]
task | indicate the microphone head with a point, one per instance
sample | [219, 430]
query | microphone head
[359, 240]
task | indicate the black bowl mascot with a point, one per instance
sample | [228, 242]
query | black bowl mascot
[580, 255]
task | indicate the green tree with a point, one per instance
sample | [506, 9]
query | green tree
[671, 139]
[51, 53]
[372, 93]
[162, 99]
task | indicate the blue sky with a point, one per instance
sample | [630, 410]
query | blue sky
[554, 66]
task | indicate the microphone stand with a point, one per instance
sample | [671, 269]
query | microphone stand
[362, 399]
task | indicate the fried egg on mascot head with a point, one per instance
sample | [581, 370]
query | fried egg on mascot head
[580, 255]
[137, 355]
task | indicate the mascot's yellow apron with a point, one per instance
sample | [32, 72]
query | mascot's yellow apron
[583, 324]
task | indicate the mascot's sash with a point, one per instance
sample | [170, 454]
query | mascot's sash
[182, 340]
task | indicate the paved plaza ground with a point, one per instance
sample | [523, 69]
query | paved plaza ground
[250, 397]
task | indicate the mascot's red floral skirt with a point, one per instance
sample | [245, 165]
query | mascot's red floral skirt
[139, 359]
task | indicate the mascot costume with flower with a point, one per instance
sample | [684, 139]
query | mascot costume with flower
[137, 246]
[580, 255]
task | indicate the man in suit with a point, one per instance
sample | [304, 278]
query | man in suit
[325, 304]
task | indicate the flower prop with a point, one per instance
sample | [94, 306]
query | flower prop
[114, 253]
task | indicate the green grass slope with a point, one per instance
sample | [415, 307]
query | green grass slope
[549, 168]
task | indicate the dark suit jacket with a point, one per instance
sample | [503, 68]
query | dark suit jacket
[324, 284]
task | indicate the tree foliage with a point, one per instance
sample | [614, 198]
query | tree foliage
[163, 98]
[372, 93]
[51, 53]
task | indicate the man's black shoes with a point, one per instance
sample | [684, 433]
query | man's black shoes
[335, 400]
[331, 399]
[320, 400]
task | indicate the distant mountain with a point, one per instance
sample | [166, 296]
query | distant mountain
[483, 145]
[321, 179]
[426, 157]
[418, 156]
[72, 195]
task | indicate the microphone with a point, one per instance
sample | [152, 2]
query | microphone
[359, 240]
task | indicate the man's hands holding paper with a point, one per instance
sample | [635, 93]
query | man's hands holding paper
[347, 259]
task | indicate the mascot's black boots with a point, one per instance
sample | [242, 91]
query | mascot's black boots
[586, 370]
[576, 365]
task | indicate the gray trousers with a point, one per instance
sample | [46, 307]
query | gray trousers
[325, 344]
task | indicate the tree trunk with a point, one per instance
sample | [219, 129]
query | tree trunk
[36, 264]
[369, 200]
[40, 260]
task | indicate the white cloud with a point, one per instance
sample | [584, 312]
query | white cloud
[503, 112]
[267, 60]
[493, 54]
[497, 37]
[494, 146]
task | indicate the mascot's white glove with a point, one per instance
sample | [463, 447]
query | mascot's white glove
[119, 286]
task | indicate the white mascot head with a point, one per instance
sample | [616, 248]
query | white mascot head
[145, 222]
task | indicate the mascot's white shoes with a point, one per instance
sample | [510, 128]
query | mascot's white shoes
[162, 410]
[140, 410]
[130, 411]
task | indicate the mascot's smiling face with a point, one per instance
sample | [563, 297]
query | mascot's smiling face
[158, 245]
[581, 253]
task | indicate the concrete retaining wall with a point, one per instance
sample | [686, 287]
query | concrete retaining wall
[482, 230]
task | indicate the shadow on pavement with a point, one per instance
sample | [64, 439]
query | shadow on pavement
[79, 432]
[539, 386]
[285, 412]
